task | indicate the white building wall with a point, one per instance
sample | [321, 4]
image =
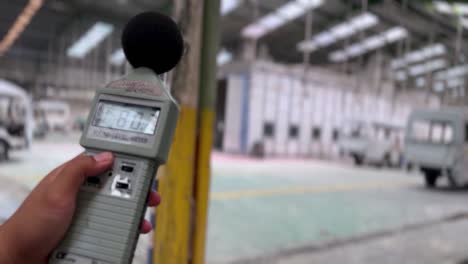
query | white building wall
[317, 119]
[296, 112]
[231, 141]
[305, 127]
[257, 92]
[282, 96]
[270, 110]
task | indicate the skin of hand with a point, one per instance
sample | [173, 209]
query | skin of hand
[39, 224]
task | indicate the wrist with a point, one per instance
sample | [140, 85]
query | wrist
[5, 251]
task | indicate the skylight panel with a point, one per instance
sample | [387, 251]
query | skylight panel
[427, 67]
[95, 35]
[364, 21]
[443, 7]
[291, 11]
[309, 3]
[324, 39]
[355, 50]
[227, 6]
[338, 56]
[417, 69]
[418, 55]
[414, 56]
[342, 30]
[436, 50]
[460, 9]
[396, 33]
[454, 83]
[460, 70]
[398, 63]
[453, 72]
[464, 22]
[254, 31]
[307, 46]
[90, 39]
[279, 17]
[271, 21]
[436, 64]
[374, 42]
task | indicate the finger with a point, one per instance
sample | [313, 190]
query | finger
[49, 178]
[145, 227]
[154, 199]
[75, 171]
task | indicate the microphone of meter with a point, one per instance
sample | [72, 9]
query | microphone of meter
[154, 41]
[134, 117]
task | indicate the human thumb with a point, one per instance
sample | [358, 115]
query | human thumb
[78, 169]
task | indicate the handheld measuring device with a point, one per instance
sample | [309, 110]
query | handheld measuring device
[135, 118]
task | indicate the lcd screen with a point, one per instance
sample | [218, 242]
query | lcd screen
[127, 117]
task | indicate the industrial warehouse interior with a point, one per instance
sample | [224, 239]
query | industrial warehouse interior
[309, 131]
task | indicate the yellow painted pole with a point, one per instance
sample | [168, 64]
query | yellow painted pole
[174, 215]
[206, 106]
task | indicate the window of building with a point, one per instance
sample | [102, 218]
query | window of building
[335, 134]
[316, 133]
[293, 131]
[268, 129]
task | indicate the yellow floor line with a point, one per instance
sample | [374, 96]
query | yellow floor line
[230, 195]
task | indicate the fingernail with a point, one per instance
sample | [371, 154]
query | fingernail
[103, 157]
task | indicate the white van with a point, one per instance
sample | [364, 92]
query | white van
[436, 142]
[15, 119]
[374, 143]
[55, 114]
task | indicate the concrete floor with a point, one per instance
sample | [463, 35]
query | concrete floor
[438, 243]
[295, 211]
[291, 211]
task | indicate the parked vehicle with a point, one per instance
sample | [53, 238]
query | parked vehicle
[15, 119]
[55, 115]
[40, 124]
[375, 143]
[436, 141]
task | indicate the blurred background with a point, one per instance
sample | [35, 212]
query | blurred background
[339, 131]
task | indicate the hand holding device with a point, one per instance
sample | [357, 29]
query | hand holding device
[135, 119]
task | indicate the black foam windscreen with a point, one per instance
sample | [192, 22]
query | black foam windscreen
[152, 40]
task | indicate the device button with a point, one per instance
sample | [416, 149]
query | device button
[122, 185]
[126, 168]
[93, 180]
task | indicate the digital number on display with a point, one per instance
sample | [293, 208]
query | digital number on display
[127, 117]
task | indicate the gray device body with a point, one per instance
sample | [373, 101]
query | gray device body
[111, 206]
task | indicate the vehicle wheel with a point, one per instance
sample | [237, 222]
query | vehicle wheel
[431, 179]
[452, 182]
[3, 151]
[387, 161]
[409, 166]
[358, 160]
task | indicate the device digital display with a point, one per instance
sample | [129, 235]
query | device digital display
[127, 117]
